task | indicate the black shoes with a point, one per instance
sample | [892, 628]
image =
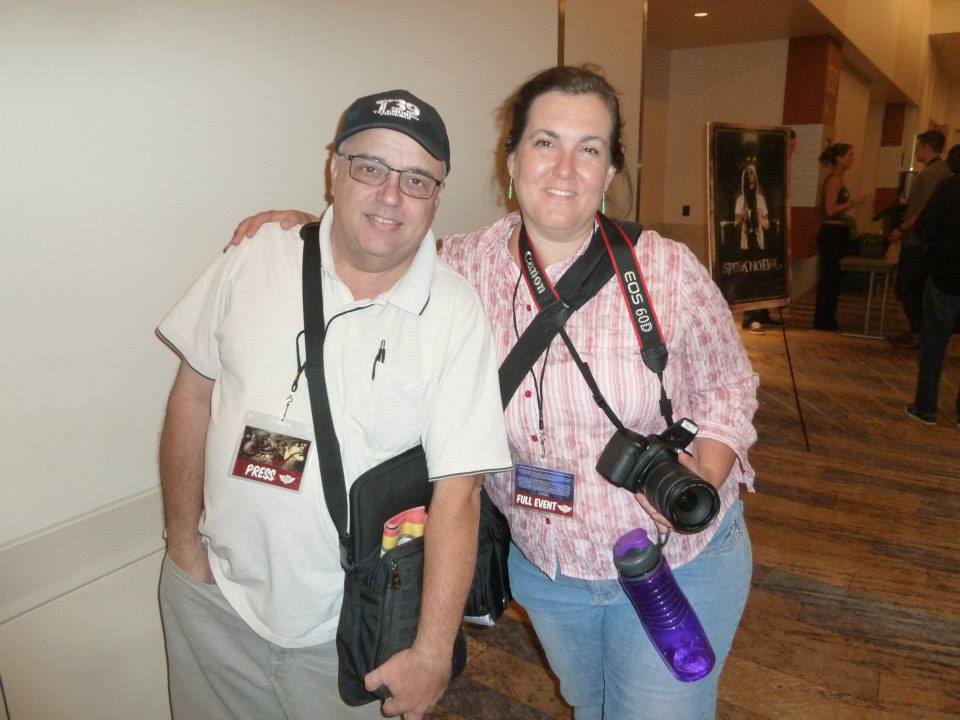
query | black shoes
[915, 413]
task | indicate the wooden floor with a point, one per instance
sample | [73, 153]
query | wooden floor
[855, 607]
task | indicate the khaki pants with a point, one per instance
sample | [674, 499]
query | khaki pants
[220, 669]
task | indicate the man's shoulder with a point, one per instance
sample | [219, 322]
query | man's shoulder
[270, 236]
[941, 171]
[271, 245]
[450, 286]
[933, 174]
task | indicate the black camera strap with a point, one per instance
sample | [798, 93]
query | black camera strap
[315, 332]
[609, 253]
[579, 283]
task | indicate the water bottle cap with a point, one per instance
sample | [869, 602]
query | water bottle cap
[633, 540]
[634, 554]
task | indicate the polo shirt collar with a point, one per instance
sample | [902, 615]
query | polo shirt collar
[412, 291]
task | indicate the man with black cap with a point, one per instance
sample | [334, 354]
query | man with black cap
[251, 585]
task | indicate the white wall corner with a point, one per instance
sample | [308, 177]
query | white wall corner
[50, 563]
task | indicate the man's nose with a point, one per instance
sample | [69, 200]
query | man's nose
[389, 192]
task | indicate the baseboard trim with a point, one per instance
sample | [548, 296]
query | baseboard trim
[51, 563]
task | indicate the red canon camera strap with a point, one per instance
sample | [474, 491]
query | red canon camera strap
[615, 250]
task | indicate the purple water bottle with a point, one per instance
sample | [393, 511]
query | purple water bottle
[670, 622]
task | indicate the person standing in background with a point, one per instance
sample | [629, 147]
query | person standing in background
[833, 240]
[911, 270]
[938, 227]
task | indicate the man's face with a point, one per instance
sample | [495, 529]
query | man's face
[924, 153]
[378, 228]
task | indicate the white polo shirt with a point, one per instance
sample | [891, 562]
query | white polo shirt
[274, 552]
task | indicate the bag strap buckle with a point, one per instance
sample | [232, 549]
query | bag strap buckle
[346, 556]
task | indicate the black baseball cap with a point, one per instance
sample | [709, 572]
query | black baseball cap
[402, 111]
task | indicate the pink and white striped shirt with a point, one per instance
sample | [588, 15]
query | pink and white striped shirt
[708, 377]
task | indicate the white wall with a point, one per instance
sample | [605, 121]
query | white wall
[610, 35]
[853, 105]
[953, 114]
[134, 137]
[870, 161]
[96, 652]
[656, 103]
[936, 93]
[742, 83]
[892, 34]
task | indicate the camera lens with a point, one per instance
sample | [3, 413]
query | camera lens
[693, 507]
[686, 500]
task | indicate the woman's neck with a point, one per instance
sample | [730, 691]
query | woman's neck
[551, 249]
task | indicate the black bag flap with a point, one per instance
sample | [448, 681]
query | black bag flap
[395, 485]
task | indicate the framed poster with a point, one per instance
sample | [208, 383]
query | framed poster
[749, 232]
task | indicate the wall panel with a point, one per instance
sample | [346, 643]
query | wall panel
[140, 134]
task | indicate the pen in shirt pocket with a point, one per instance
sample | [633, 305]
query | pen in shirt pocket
[380, 357]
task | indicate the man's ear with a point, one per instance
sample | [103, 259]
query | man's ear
[437, 194]
[334, 167]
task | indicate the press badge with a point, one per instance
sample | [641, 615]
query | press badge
[272, 451]
[543, 489]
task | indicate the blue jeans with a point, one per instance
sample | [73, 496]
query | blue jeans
[941, 311]
[597, 647]
[911, 278]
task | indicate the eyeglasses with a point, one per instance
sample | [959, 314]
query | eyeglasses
[370, 171]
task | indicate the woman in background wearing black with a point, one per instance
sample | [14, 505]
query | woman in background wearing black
[833, 240]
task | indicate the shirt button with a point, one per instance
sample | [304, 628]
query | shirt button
[527, 393]
[529, 308]
[548, 520]
[534, 438]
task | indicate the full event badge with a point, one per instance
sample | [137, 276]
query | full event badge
[272, 451]
[543, 489]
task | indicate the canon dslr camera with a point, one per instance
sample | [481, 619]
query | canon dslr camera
[649, 465]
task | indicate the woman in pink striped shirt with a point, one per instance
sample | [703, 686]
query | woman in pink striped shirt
[564, 148]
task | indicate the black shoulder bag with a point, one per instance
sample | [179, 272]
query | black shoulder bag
[381, 595]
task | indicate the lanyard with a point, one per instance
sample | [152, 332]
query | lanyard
[608, 239]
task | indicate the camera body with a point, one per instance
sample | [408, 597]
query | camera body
[649, 464]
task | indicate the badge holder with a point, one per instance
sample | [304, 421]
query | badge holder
[272, 451]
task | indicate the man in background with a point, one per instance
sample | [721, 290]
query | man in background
[911, 272]
[938, 227]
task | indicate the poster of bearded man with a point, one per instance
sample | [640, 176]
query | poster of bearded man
[749, 232]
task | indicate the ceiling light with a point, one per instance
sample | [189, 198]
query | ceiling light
[700, 14]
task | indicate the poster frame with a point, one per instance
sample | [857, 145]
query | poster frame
[718, 254]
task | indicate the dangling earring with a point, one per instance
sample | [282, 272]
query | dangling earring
[603, 203]
[510, 190]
